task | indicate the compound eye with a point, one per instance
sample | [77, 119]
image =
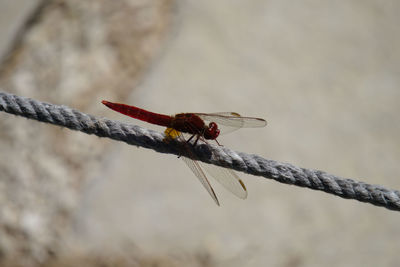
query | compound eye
[213, 125]
[216, 133]
[213, 130]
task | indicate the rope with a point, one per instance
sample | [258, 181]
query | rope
[221, 156]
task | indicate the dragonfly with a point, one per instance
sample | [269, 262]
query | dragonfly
[203, 127]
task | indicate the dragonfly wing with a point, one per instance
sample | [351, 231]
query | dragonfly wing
[228, 178]
[232, 121]
[196, 169]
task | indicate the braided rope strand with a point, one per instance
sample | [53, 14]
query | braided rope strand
[221, 156]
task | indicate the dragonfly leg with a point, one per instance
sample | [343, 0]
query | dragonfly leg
[190, 138]
[195, 142]
[188, 141]
[218, 142]
[197, 133]
[180, 154]
[197, 139]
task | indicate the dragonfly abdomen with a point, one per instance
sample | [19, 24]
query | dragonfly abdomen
[140, 114]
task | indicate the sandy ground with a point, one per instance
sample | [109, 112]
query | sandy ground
[325, 76]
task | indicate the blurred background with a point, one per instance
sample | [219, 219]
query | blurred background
[325, 74]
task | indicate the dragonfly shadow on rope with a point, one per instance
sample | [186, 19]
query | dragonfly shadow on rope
[191, 148]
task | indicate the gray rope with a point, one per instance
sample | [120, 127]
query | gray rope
[221, 156]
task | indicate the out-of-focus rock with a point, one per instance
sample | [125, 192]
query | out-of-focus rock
[74, 53]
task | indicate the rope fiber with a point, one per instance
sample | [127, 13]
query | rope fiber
[221, 156]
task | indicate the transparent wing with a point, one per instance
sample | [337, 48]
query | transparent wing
[228, 178]
[196, 169]
[232, 121]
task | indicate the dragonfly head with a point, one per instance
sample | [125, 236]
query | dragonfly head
[212, 131]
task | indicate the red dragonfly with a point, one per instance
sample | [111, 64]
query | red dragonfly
[194, 125]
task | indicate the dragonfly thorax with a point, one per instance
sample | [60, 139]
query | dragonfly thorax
[192, 124]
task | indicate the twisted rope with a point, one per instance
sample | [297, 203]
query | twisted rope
[221, 156]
